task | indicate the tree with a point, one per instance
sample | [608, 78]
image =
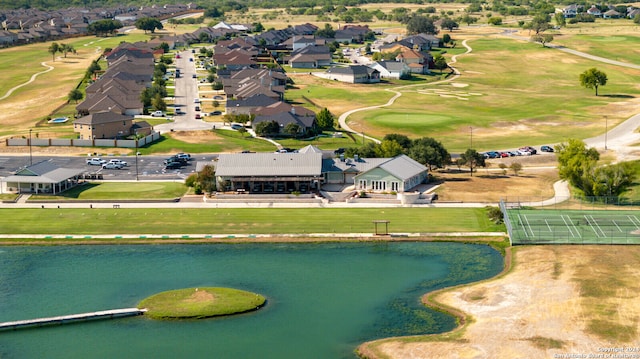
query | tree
[267, 128]
[75, 95]
[539, 24]
[388, 148]
[66, 48]
[472, 159]
[560, 19]
[242, 130]
[158, 102]
[542, 38]
[104, 27]
[421, 24]
[440, 63]
[164, 46]
[53, 49]
[95, 66]
[449, 24]
[428, 151]
[325, 119]
[446, 38]
[636, 19]
[495, 20]
[292, 129]
[148, 24]
[327, 32]
[404, 141]
[467, 19]
[575, 161]
[593, 78]
[516, 167]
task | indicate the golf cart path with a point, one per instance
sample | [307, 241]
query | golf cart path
[342, 120]
[33, 78]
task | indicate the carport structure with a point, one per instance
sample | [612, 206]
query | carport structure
[42, 177]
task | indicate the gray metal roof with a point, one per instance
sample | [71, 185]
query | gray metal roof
[269, 164]
[43, 172]
[403, 167]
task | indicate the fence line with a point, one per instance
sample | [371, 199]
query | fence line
[46, 142]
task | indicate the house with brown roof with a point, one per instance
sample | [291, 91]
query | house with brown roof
[285, 114]
[104, 124]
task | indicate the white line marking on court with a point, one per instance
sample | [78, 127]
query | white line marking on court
[614, 222]
[633, 220]
[528, 225]
[597, 226]
[548, 226]
[567, 224]
[523, 227]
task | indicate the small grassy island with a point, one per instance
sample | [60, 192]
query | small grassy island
[194, 303]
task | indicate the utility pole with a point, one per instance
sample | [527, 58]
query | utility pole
[30, 156]
[606, 129]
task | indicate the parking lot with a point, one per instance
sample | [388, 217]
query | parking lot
[148, 168]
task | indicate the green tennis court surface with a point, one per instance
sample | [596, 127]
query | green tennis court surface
[527, 226]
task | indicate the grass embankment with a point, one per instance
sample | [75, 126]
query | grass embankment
[119, 191]
[289, 221]
[192, 303]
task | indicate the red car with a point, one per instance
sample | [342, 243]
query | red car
[198, 116]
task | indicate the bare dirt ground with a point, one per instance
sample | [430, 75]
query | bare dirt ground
[556, 300]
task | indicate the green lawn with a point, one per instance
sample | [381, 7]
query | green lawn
[226, 141]
[241, 220]
[324, 142]
[511, 93]
[120, 191]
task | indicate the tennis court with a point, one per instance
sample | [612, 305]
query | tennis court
[529, 226]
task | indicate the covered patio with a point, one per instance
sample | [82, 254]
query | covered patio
[42, 177]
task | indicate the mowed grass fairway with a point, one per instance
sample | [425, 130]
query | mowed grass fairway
[241, 221]
[512, 93]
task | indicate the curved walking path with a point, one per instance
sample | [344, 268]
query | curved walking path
[33, 78]
[342, 120]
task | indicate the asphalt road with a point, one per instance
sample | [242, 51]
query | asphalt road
[148, 168]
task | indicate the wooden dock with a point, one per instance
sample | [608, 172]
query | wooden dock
[66, 319]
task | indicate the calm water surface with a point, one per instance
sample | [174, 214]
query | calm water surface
[323, 299]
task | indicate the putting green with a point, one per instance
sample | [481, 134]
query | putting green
[195, 303]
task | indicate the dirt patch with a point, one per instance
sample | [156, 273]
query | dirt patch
[200, 296]
[491, 185]
[540, 309]
[204, 136]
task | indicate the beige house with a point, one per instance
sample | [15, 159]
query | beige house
[103, 125]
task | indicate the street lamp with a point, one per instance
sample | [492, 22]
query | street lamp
[30, 156]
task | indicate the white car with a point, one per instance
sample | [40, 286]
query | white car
[196, 100]
[96, 161]
[112, 166]
[157, 114]
[118, 162]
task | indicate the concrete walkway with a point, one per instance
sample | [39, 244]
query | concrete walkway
[33, 78]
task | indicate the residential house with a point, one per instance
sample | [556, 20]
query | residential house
[247, 105]
[570, 11]
[42, 177]
[392, 69]
[285, 114]
[594, 11]
[269, 172]
[611, 14]
[104, 124]
[312, 56]
[352, 33]
[417, 61]
[234, 60]
[354, 74]
[7, 38]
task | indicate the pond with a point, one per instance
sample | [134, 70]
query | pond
[324, 299]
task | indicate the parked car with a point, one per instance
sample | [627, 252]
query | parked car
[530, 149]
[183, 156]
[117, 161]
[96, 161]
[157, 114]
[182, 161]
[215, 113]
[504, 154]
[514, 153]
[112, 166]
[172, 166]
[196, 100]
[546, 149]
[198, 117]
[236, 126]
[339, 151]
[492, 154]
[194, 76]
[197, 108]
[524, 153]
